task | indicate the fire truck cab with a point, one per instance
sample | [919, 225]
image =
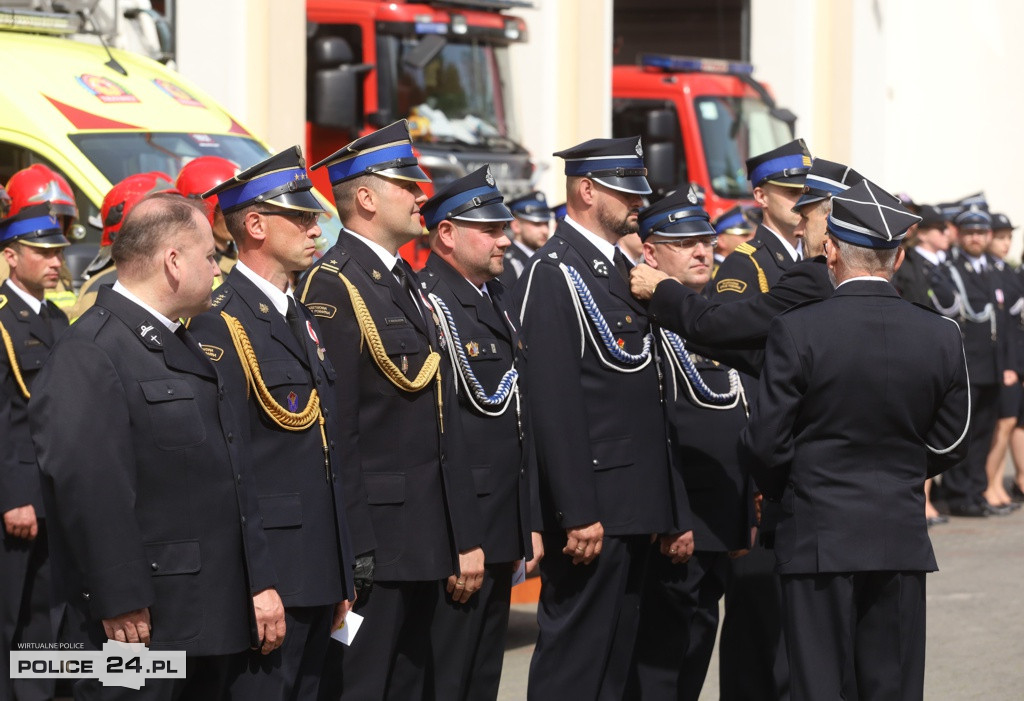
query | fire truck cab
[700, 119]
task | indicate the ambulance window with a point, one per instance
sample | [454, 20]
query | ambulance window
[118, 155]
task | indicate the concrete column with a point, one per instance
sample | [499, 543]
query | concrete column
[251, 56]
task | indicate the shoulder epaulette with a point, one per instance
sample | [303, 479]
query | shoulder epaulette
[746, 249]
[223, 294]
[552, 252]
[3, 301]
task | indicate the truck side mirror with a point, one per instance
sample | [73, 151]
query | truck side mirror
[660, 159]
[337, 83]
[662, 125]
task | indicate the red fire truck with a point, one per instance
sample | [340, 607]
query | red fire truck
[444, 66]
[700, 119]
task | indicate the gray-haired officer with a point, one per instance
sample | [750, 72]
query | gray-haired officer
[530, 227]
[33, 244]
[592, 388]
[420, 518]
[467, 220]
[707, 408]
[863, 396]
[268, 349]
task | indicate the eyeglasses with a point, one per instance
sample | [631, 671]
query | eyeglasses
[305, 220]
[685, 244]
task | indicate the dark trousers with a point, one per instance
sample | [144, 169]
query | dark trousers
[291, 672]
[752, 660]
[206, 680]
[678, 626]
[472, 638]
[856, 636]
[25, 609]
[391, 655]
[588, 617]
[965, 483]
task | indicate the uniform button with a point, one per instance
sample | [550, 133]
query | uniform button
[560, 516]
[85, 595]
[619, 324]
[595, 461]
[243, 520]
[334, 478]
[238, 479]
[220, 394]
[332, 445]
[289, 375]
[154, 566]
[443, 457]
[325, 413]
[231, 437]
[170, 391]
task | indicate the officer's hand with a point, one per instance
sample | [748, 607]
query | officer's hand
[678, 548]
[362, 573]
[758, 501]
[538, 553]
[340, 611]
[131, 627]
[471, 567]
[21, 522]
[643, 279]
[1009, 378]
[269, 620]
[583, 543]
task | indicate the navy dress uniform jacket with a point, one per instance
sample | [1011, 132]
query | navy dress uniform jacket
[705, 443]
[738, 274]
[988, 353]
[600, 434]
[147, 482]
[422, 502]
[31, 336]
[302, 508]
[863, 396]
[493, 445]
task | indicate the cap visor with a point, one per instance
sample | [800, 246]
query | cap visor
[536, 217]
[809, 198]
[414, 173]
[303, 200]
[47, 240]
[788, 181]
[634, 184]
[495, 211]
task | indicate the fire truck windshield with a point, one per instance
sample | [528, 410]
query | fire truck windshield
[458, 96]
[733, 129]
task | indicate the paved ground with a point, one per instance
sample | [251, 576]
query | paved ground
[975, 617]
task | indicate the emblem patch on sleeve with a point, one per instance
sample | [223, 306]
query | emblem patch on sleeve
[213, 352]
[730, 284]
[325, 311]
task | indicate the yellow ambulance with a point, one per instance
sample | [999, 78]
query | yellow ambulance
[97, 116]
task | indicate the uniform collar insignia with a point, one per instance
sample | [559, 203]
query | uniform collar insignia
[264, 309]
[600, 267]
[375, 274]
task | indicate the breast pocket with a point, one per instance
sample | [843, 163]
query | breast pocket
[283, 377]
[627, 329]
[173, 412]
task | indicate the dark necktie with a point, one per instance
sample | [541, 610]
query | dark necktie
[47, 318]
[403, 279]
[621, 264]
[295, 322]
